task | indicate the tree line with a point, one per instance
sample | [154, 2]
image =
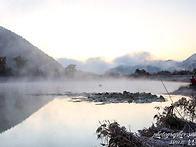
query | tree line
[5, 70]
[144, 73]
[70, 70]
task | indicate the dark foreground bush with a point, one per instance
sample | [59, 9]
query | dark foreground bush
[179, 118]
[113, 135]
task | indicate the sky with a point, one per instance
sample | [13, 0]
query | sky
[106, 29]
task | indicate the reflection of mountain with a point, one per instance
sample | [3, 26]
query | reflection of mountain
[12, 45]
[15, 107]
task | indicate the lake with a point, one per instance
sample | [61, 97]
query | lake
[40, 113]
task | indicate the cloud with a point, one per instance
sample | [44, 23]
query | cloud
[134, 58]
[96, 65]
[127, 62]
[93, 65]
[99, 66]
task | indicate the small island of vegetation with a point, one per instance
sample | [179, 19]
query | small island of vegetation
[118, 97]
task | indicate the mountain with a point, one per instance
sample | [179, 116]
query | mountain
[189, 63]
[38, 63]
[126, 69]
[153, 66]
[127, 64]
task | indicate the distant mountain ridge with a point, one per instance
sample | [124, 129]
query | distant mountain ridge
[153, 66]
[127, 64]
[189, 63]
[12, 45]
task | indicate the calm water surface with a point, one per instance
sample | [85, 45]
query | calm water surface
[60, 123]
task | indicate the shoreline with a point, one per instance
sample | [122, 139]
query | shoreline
[184, 91]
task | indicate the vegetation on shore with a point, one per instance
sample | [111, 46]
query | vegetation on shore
[176, 75]
[142, 72]
[175, 125]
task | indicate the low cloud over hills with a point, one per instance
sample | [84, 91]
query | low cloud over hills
[39, 63]
[127, 64]
[92, 65]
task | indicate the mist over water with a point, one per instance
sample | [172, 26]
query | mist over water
[39, 113]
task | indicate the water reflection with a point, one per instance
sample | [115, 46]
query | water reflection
[16, 104]
[62, 123]
[16, 107]
[59, 122]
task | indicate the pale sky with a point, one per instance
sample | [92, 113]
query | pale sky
[82, 29]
